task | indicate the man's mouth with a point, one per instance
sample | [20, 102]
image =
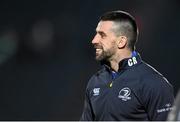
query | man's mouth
[98, 51]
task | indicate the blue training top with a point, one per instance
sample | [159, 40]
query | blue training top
[136, 92]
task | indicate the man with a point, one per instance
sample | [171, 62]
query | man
[126, 88]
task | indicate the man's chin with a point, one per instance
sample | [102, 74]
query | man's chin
[99, 58]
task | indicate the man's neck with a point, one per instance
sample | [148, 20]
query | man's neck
[114, 62]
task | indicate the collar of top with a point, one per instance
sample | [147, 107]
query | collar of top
[126, 63]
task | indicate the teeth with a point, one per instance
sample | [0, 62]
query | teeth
[98, 49]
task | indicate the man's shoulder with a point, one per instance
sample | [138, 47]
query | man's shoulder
[142, 71]
[152, 77]
[146, 69]
[152, 83]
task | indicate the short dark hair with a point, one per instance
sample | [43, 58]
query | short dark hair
[127, 25]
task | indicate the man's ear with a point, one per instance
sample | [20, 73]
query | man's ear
[122, 41]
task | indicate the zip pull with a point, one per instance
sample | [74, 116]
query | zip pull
[110, 85]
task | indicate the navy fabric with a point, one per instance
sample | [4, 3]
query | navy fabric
[137, 92]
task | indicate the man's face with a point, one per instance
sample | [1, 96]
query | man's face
[105, 41]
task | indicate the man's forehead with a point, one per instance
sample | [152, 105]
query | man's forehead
[104, 25]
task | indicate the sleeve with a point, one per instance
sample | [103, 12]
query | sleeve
[158, 98]
[87, 114]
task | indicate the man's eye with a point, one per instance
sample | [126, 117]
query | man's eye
[102, 35]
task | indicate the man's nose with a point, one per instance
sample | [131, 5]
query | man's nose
[95, 40]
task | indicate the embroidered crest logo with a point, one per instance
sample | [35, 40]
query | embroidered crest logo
[124, 94]
[96, 91]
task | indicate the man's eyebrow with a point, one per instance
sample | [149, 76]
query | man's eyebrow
[101, 32]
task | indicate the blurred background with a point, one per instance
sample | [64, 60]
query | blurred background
[46, 58]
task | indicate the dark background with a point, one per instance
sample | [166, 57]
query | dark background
[46, 56]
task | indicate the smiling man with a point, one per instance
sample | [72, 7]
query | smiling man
[126, 88]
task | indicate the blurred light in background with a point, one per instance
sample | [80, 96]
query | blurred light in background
[8, 44]
[42, 36]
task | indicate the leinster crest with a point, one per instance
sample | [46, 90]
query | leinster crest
[124, 94]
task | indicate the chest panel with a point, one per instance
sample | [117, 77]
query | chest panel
[118, 102]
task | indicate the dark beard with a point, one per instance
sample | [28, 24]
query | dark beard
[104, 56]
[100, 57]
